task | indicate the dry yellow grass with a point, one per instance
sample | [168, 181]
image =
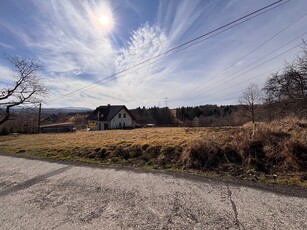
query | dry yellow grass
[95, 139]
[278, 148]
[80, 145]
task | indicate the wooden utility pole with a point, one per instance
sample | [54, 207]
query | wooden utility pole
[39, 117]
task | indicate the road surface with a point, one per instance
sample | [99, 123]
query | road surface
[47, 195]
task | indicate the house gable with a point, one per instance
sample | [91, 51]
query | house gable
[122, 119]
[120, 110]
[107, 117]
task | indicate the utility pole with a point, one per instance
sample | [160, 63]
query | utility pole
[39, 117]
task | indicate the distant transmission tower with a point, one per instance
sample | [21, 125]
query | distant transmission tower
[166, 100]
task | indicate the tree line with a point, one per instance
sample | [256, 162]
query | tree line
[155, 115]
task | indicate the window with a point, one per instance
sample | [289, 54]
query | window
[119, 115]
[124, 124]
[124, 115]
[120, 124]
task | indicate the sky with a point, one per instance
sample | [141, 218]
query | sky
[86, 47]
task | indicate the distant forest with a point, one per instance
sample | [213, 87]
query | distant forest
[205, 115]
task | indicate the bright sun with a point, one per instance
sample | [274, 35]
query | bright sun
[106, 21]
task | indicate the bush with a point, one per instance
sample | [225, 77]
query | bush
[276, 147]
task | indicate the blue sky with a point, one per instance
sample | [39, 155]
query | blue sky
[81, 42]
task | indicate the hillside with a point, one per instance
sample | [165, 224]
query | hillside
[276, 151]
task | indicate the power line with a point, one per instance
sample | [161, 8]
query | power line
[248, 80]
[256, 48]
[288, 50]
[269, 7]
[259, 59]
[268, 40]
[285, 44]
[210, 89]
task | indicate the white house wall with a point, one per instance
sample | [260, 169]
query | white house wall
[116, 120]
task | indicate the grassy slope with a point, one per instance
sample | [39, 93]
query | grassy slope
[277, 152]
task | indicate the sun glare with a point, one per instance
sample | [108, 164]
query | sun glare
[106, 22]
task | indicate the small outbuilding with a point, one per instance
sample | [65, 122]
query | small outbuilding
[58, 128]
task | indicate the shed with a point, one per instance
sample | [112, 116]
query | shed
[58, 128]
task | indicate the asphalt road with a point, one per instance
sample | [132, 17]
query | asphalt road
[44, 195]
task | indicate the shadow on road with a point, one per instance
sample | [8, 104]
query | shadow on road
[33, 181]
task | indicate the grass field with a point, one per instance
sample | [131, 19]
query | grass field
[276, 152]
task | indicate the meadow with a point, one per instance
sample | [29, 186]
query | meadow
[275, 152]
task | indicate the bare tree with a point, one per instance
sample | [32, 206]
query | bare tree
[27, 89]
[288, 88]
[250, 99]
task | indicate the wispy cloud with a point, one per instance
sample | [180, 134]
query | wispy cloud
[68, 38]
[7, 76]
[6, 45]
[77, 51]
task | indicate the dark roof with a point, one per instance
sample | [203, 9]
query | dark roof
[58, 125]
[108, 112]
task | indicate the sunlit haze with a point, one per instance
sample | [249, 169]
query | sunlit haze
[106, 21]
[117, 51]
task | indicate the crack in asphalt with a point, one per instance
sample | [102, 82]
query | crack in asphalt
[185, 211]
[181, 211]
[234, 208]
[31, 182]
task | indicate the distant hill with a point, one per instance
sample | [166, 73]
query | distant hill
[53, 110]
[66, 110]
